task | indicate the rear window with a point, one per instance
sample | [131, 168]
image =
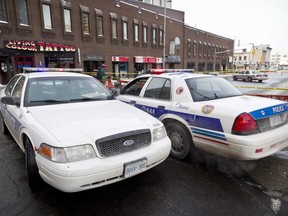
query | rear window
[211, 88]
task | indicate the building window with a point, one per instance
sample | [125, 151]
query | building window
[145, 33]
[114, 23]
[200, 49]
[161, 36]
[189, 47]
[3, 15]
[23, 12]
[99, 23]
[67, 20]
[194, 48]
[85, 23]
[125, 28]
[154, 35]
[47, 16]
[136, 31]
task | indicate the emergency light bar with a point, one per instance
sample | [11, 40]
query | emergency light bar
[160, 71]
[35, 69]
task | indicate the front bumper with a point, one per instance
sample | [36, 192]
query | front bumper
[97, 172]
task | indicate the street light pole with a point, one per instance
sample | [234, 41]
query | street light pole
[164, 35]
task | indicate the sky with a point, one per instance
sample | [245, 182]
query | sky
[250, 21]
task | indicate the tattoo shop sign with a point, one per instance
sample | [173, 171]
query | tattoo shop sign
[37, 46]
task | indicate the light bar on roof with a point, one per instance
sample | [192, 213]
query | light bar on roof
[160, 71]
[36, 69]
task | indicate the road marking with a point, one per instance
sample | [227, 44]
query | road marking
[266, 88]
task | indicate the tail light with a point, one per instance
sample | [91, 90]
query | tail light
[245, 124]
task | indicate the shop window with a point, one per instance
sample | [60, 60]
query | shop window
[99, 23]
[125, 28]
[47, 20]
[22, 7]
[114, 23]
[67, 20]
[85, 20]
[3, 15]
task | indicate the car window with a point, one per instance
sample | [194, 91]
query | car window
[17, 90]
[210, 88]
[134, 87]
[158, 88]
[10, 86]
[53, 90]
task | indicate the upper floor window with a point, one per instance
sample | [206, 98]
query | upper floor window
[67, 20]
[99, 23]
[189, 47]
[136, 30]
[125, 28]
[161, 36]
[154, 34]
[3, 15]
[85, 23]
[114, 25]
[23, 12]
[194, 48]
[145, 33]
[47, 16]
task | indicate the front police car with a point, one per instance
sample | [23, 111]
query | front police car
[74, 133]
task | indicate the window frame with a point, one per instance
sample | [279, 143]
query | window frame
[154, 35]
[85, 21]
[99, 16]
[114, 27]
[136, 31]
[125, 30]
[44, 27]
[145, 34]
[4, 12]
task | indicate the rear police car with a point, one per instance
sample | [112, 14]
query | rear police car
[209, 113]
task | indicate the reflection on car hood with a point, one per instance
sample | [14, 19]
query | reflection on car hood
[90, 119]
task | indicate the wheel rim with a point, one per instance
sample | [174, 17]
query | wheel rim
[177, 141]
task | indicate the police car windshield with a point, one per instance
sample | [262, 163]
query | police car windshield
[57, 90]
[211, 88]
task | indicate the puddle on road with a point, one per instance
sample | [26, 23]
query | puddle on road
[282, 154]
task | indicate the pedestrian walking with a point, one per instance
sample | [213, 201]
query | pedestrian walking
[101, 74]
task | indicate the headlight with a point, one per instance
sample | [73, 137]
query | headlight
[69, 154]
[159, 133]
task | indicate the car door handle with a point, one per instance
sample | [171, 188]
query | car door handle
[161, 107]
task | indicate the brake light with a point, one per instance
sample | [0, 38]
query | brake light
[245, 124]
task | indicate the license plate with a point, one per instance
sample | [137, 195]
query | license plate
[275, 120]
[134, 167]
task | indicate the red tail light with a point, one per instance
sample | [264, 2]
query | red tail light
[245, 124]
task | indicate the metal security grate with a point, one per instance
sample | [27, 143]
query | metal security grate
[123, 142]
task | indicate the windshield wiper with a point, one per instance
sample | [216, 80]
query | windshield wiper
[48, 101]
[203, 96]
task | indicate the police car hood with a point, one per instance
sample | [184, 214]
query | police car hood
[89, 121]
[256, 106]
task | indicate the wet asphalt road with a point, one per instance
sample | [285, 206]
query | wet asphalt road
[201, 185]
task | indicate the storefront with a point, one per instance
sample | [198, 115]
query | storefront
[92, 62]
[32, 53]
[143, 63]
[171, 60]
[120, 66]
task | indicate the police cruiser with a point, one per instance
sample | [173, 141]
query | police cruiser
[75, 134]
[208, 113]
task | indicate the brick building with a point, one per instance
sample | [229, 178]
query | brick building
[127, 37]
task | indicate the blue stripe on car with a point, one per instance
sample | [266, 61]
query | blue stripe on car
[270, 111]
[209, 134]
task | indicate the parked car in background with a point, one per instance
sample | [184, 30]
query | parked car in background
[250, 75]
[75, 134]
[209, 113]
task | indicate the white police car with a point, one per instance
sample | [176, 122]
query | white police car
[209, 113]
[75, 134]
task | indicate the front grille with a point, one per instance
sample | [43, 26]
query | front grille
[123, 142]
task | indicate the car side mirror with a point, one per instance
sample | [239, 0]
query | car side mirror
[10, 100]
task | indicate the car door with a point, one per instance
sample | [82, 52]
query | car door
[12, 113]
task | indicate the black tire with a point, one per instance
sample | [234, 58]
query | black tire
[4, 128]
[32, 172]
[249, 79]
[234, 78]
[260, 80]
[180, 138]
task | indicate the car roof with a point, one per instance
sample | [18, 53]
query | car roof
[182, 75]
